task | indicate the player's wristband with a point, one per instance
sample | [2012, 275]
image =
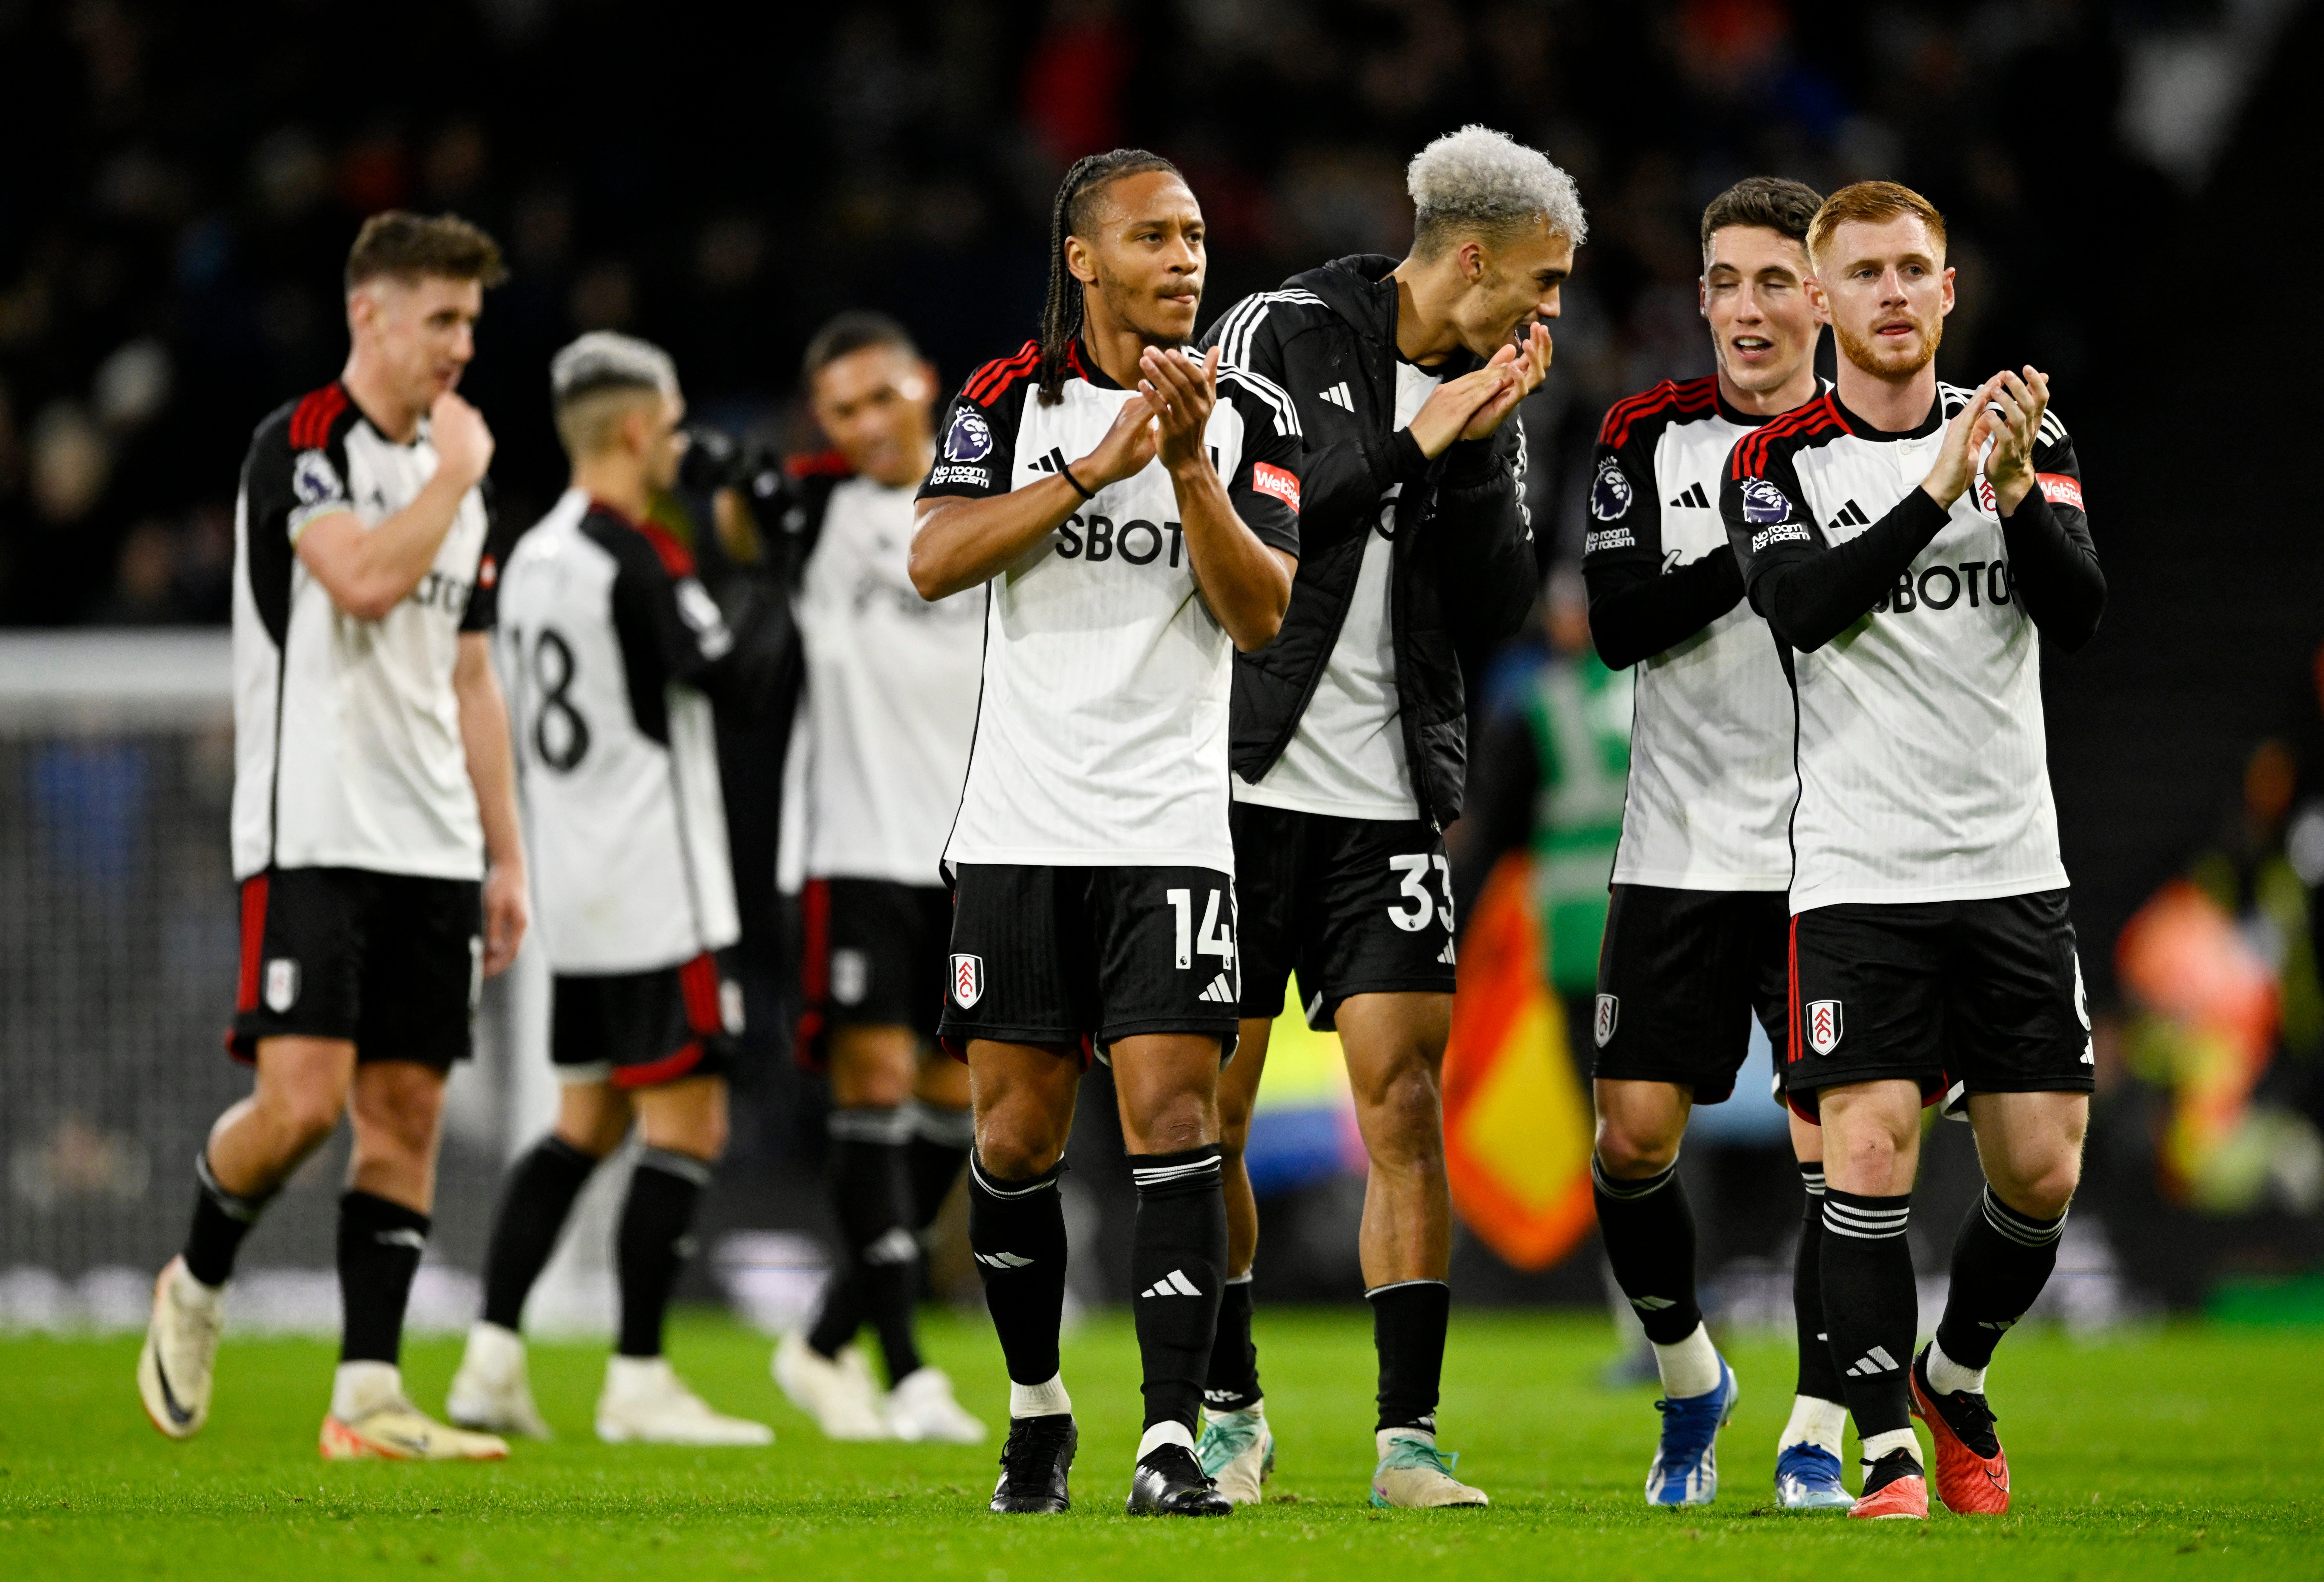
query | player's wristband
[1067, 473]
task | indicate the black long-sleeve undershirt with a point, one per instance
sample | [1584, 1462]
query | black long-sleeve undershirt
[1637, 610]
[2054, 567]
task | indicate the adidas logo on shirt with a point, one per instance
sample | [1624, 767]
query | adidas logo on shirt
[1694, 497]
[1174, 1283]
[1338, 396]
[1850, 515]
[1875, 1361]
[1219, 993]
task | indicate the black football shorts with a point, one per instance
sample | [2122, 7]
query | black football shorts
[392, 961]
[1979, 996]
[1086, 957]
[645, 1029]
[1680, 975]
[1354, 906]
[872, 955]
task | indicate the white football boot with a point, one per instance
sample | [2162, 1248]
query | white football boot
[181, 1340]
[921, 1409]
[372, 1420]
[645, 1402]
[491, 1392]
[1414, 1473]
[1237, 1451]
[838, 1394]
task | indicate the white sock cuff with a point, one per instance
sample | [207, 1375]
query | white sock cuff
[1688, 1365]
[1161, 1434]
[361, 1387]
[1879, 1445]
[1046, 1400]
[1242, 1279]
[1946, 1375]
[1814, 1421]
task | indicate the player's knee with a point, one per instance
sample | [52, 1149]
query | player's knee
[872, 1067]
[1017, 1142]
[2045, 1192]
[1234, 1133]
[304, 1114]
[1011, 1155]
[1629, 1150]
[1405, 1117]
[1177, 1124]
[707, 1137]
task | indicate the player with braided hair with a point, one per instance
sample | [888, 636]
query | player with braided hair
[1134, 512]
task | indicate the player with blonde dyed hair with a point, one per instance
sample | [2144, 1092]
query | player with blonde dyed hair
[1350, 730]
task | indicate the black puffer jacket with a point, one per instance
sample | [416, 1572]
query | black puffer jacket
[1463, 566]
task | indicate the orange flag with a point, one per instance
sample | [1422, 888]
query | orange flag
[1517, 1122]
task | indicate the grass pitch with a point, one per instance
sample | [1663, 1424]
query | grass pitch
[2178, 1452]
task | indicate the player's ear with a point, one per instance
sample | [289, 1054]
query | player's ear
[1080, 262]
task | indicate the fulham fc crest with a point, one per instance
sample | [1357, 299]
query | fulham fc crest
[1609, 1012]
[967, 980]
[281, 985]
[1824, 1025]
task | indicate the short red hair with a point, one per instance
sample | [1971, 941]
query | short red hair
[1872, 203]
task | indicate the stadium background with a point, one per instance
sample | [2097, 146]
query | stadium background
[2125, 184]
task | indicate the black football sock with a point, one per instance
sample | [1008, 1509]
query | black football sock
[2001, 1260]
[653, 1242]
[221, 1220]
[1649, 1233]
[1232, 1382]
[871, 1189]
[1819, 1374]
[380, 1243]
[1409, 1322]
[939, 1147]
[1016, 1229]
[1177, 1263]
[534, 1205]
[1871, 1307]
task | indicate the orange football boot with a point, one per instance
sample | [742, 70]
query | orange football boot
[1904, 1497]
[1972, 1474]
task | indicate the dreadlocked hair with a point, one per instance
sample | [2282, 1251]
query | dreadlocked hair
[1077, 195]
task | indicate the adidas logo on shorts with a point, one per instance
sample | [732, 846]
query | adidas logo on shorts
[1219, 993]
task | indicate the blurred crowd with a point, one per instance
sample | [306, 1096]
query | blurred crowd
[168, 262]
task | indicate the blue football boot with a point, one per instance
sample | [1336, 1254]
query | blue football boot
[1807, 1478]
[1686, 1463]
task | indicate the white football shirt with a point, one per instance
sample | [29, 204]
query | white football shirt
[892, 687]
[1924, 765]
[606, 637]
[347, 748]
[1346, 756]
[1712, 783]
[1101, 732]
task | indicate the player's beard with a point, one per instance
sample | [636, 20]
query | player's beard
[1135, 309]
[1865, 352]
